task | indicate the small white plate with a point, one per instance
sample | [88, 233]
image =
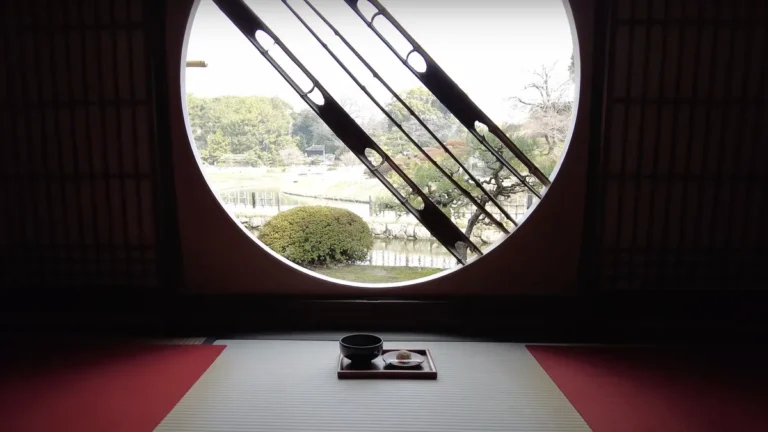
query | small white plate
[390, 358]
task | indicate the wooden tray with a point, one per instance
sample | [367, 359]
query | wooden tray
[377, 370]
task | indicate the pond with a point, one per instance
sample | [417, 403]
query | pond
[407, 253]
[273, 202]
[385, 252]
[393, 252]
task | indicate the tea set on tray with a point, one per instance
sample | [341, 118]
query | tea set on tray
[364, 356]
[364, 348]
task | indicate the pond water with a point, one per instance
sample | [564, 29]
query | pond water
[407, 253]
[274, 201]
[385, 252]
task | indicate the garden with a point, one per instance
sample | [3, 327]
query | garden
[326, 209]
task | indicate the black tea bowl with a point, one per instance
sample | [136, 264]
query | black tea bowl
[361, 348]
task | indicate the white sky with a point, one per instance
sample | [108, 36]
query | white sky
[489, 47]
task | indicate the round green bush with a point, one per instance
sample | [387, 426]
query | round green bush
[318, 235]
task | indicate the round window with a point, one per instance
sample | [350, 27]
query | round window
[333, 132]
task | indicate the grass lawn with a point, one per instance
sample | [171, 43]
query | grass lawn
[339, 187]
[332, 184]
[245, 179]
[376, 274]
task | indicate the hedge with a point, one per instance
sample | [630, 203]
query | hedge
[318, 236]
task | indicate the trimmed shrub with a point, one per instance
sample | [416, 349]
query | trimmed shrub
[318, 235]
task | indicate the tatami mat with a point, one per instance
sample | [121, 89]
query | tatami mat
[177, 341]
[335, 336]
[266, 385]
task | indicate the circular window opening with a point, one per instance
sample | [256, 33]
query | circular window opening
[372, 213]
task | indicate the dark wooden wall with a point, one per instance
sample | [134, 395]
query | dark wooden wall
[679, 195]
[80, 170]
[677, 175]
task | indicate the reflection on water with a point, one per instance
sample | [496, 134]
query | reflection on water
[409, 253]
[385, 252]
[274, 201]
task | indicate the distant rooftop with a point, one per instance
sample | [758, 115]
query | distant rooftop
[315, 148]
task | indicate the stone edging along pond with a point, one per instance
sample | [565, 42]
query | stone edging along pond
[387, 229]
